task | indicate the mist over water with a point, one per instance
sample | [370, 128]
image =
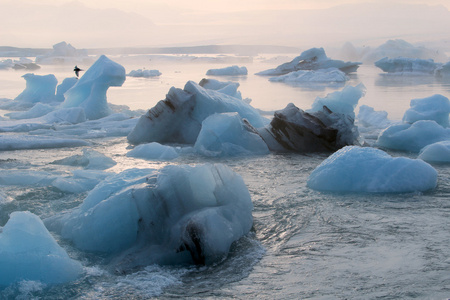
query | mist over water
[304, 244]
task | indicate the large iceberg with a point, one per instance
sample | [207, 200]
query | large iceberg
[412, 137]
[402, 65]
[227, 134]
[64, 53]
[39, 88]
[327, 126]
[443, 71]
[65, 85]
[357, 169]
[401, 48]
[178, 118]
[312, 59]
[179, 214]
[29, 252]
[228, 71]
[90, 90]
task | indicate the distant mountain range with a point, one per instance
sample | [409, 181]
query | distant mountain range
[246, 50]
[27, 24]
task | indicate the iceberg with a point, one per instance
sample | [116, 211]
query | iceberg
[327, 126]
[412, 137]
[368, 117]
[38, 110]
[64, 87]
[358, 169]
[178, 118]
[436, 153]
[312, 59]
[226, 87]
[401, 48]
[443, 71]
[342, 102]
[29, 252]
[66, 116]
[20, 142]
[90, 90]
[153, 151]
[64, 53]
[403, 65]
[39, 88]
[226, 134]
[436, 108]
[177, 215]
[144, 73]
[228, 71]
[330, 75]
[90, 159]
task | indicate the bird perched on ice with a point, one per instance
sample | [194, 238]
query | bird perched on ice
[77, 71]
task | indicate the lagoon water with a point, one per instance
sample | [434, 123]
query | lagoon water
[304, 244]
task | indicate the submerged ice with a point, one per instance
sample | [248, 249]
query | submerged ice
[180, 214]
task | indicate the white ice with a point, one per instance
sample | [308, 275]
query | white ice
[365, 169]
[20, 142]
[153, 151]
[29, 252]
[412, 137]
[38, 110]
[226, 134]
[64, 53]
[342, 102]
[401, 48]
[228, 71]
[368, 117]
[64, 116]
[436, 108]
[89, 159]
[312, 59]
[436, 153]
[179, 214]
[404, 65]
[330, 75]
[144, 73]
[226, 87]
[90, 90]
[178, 118]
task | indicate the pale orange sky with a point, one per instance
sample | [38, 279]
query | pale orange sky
[118, 23]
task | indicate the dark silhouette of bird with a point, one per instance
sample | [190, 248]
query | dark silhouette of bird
[77, 71]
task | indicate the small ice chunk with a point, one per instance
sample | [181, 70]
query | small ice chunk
[38, 110]
[357, 169]
[227, 134]
[153, 151]
[342, 102]
[368, 117]
[412, 137]
[436, 153]
[144, 73]
[228, 71]
[436, 107]
[29, 252]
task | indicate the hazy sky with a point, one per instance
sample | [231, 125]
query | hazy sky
[113, 23]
